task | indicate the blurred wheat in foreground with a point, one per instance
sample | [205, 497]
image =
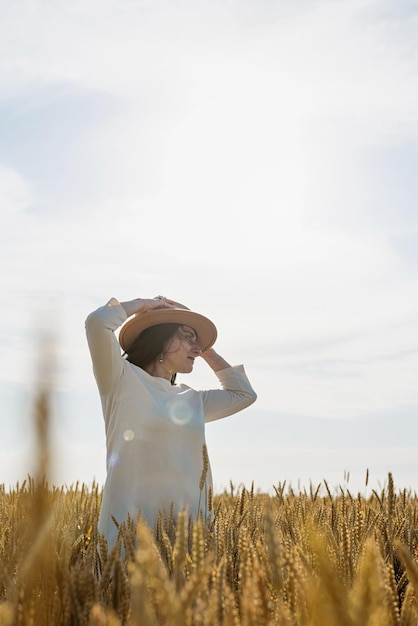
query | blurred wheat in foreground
[292, 559]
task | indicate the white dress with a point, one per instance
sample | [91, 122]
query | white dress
[155, 431]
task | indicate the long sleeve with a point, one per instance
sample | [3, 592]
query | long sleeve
[103, 345]
[236, 394]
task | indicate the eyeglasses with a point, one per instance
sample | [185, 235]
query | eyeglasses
[190, 336]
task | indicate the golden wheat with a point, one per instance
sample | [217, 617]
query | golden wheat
[292, 559]
[262, 560]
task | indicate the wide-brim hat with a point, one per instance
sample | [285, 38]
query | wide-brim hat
[204, 328]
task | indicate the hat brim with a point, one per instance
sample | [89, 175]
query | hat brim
[204, 328]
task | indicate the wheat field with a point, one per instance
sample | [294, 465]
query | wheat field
[311, 558]
[288, 559]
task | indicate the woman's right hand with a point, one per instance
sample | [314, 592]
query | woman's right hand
[141, 305]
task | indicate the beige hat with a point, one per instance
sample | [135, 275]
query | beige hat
[204, 328]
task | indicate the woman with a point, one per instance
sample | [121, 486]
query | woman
[155, 428]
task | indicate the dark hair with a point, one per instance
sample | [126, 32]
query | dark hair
[150, 345]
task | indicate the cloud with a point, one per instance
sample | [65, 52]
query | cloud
[16, 193]
[321, 57]
[301, 467]
[220, 104]
[246, 158]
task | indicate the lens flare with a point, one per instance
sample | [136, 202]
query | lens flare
[180, 413]
[128, 435]
[113, 459]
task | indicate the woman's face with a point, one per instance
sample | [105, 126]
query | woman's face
[182, 350]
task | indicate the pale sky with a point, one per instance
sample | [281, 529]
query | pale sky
[255, 160]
